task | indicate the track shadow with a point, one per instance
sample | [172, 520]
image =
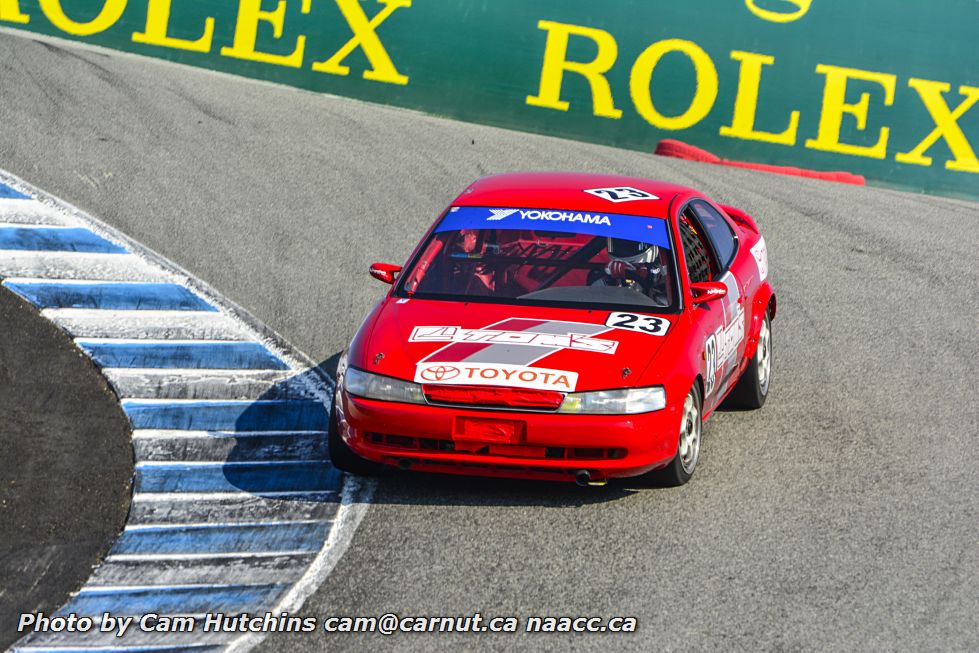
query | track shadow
[280, 447]
[424, 489]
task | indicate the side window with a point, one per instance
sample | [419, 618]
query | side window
[700, 263]
[718, 230]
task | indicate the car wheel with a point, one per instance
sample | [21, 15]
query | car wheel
[341, 455]
[681, 468]
[752, 388]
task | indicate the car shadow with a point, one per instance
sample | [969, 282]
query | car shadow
[281, 450]
[427, 489]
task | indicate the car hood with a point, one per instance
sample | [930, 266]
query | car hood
[469, 343]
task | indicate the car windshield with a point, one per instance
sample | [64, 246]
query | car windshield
[542, 256]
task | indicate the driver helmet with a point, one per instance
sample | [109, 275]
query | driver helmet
[632, 251]
[470, 244]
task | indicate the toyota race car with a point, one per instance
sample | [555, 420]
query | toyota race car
[559, 326]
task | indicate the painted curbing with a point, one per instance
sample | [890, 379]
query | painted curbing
[235, 506]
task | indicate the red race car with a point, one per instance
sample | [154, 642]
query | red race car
[559, 326]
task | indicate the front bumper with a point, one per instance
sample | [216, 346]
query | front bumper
[541, 445]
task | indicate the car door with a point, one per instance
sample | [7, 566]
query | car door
[710, 250]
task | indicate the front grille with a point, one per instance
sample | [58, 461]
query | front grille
[437, 445]
[492, 397]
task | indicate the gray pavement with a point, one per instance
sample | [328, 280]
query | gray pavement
[842, 515]
[66, 464]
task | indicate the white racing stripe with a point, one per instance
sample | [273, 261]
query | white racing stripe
[135, 640]
[149, 464]
[113, 648]
[144, 341]
[205, 556]
[238, 447]
[190, 402]
[194, 384]
[94, 589]
[194, 325]
[241, 507]
[38, 226]
[30, 211]
[173, 434]
[261, 571]
[172, 509]
[130, 528]
[84, 281]
[214, 496]
[79, 265]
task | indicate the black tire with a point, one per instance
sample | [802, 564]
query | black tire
[342, 456]
[684, 464]
[752, 388]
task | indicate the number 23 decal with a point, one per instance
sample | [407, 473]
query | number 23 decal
[654, 326]
[621, 194]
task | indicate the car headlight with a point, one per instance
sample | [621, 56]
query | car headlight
[374, 386]
[615, 402]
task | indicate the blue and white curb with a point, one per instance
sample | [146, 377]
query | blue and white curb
[235, 507]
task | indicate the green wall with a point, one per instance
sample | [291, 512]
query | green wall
[884, 88]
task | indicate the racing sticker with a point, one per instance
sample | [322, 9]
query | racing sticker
[729, 337]
[760, 251]
[513, 376]
[570, 217]
[501, 354]
[606, 225]
[498, 343]
[710, 355]
[721, 345]
[621, 194]
[654, 326]
[568, 340]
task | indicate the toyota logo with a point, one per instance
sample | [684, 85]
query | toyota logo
[440, 373]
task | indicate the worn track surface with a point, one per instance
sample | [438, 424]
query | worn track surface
[66, 465]
[842, 515]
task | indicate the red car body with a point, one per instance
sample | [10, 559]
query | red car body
[485, 418]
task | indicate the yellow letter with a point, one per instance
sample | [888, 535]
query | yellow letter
[10, 12]
[246, 34]
[111, 12]
[746, 103]
[947, 126]
[365, 36]
[802, 7]
[706, 84]
[834, 106]
[555, 63]
[157, 21]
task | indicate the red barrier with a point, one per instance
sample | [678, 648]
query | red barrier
[681, 150]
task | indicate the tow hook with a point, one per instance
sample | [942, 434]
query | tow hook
[584, 479]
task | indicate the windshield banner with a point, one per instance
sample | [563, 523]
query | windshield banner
[611, 225]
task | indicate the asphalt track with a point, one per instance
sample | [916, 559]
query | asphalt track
[842, 515]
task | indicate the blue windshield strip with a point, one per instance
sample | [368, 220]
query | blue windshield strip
[612, 225]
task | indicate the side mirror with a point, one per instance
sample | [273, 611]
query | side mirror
[707, 291]
[384, 272]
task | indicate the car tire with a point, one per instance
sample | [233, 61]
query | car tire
[751, 389]
[683, 465]
[342, 456]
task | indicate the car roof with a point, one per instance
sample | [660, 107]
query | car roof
[565, 190]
